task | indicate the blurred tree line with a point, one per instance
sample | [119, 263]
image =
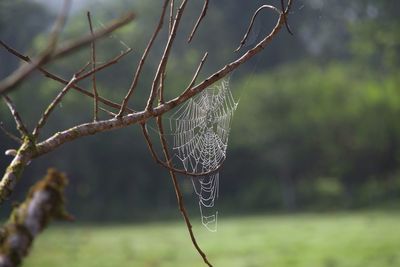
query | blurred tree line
[316, 128]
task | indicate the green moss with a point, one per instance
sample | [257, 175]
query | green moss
[53, 184]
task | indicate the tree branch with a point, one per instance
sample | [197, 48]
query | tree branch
[165, 56]
[52, 106]
[56, 78]
[142, 60]
[60, 138]
[44, 203]
[65, 49]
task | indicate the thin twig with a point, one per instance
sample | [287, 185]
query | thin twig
[202, 15]
[51, 107]
[11, 81]
[105, 65]
[63, 81]
[165, 56]
[243, 41]
[9, 134]
[56, 101]
[196, 74]
[178, 192]
[142, 60]
[72, 46]
[93, 48]
[112, 114]
[285, 18]
[20, 125]
[76, 78]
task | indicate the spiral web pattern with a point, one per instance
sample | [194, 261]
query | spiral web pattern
[201, 129]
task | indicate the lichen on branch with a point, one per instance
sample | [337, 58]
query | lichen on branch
[45, 202]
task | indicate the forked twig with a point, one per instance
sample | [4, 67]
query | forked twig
[51, 107]
[202, 15]
[65, 82]
[65, 49]
[142, 60]
[165, 56]
[76, 78]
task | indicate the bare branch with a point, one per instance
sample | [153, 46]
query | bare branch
[165, 56]
[20, 125]
[178, 192]
[25, 154]
[94, 127]
[72, 46]
[63, 81]
[142, 60]
[202, 15]
[10, 82]
[9, 134]
[93, 47]
[243, 41]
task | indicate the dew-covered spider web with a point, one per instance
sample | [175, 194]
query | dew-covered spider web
[200, 129]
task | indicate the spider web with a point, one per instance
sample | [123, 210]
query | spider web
[200, 129]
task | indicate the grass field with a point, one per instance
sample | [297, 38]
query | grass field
[336, 240]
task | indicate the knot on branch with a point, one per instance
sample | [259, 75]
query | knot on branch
[45, 202]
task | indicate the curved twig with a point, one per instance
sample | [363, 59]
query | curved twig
[243, 41]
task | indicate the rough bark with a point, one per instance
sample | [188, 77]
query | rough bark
[44, 203]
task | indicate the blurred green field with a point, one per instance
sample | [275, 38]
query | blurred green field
[308, 240]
